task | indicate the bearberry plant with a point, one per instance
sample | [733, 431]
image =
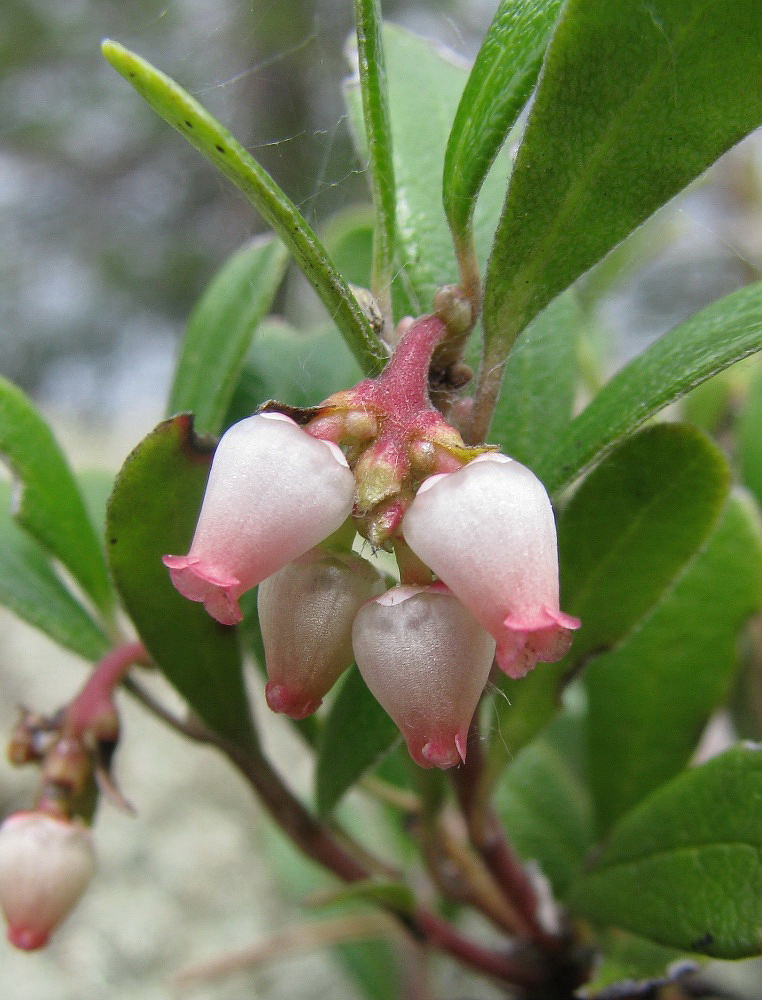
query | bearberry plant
[499, 596]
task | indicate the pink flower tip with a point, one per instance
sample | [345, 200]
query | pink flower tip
[290, 701]
[27, 939]
[545, 637]
[441, 753]
[217, 593]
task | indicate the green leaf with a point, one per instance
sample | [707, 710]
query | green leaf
[500, 82]
[48, 503]
[205, 134]
[625, 536]
[153, 512]
[684, 869]
[539, 386]
[372, 73]
[546, 809]
[634, 102]
[425, 83]
[690, 353]
[750, 438]
[632, 525]
[301, 369]
[220, 330]
[30, 588]
[651, 697]
[356, 734]
[395, 895]
[348, 235]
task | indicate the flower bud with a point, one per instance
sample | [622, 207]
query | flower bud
[45, 866]
[306, 612]
[273, 493]
[426, 661]
[488, 532]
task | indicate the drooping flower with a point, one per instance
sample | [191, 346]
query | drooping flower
[274, 492]
[306, 612]
[488, 532]
[46, 864]
[426, 660]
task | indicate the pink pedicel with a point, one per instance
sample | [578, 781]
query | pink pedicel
[46, 864]
[306, 612]
[274, 492]
[488, 532]
[426, 660]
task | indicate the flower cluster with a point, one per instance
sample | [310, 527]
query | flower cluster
[280, 490]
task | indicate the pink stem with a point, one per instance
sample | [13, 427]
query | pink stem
[98, 690]
[406, 377]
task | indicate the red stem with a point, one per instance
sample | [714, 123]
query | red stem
[443, 936]
[317, 843]
[488, 838]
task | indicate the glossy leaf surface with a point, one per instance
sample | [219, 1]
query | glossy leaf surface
[153, 512]
[220, 330]
[500, 82]
[633, 524]
[684, 869]
[540, 382]
[634, 102]
[47, 501]
[30, 587]
[650, 698]
[707, 343]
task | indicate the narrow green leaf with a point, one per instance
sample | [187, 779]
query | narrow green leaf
[713, 339]
[650, 698]
[356, 734]
[500, 82]
[372, 71]
[205, 134]
[540, 383]
[546, 809]
[220, 330]
[396, 895]
[301, 369]
[750, 437]
[153, 512]
[624, 538]
[47, 502]
[634, 102]
[425, 83]
[30, 588]
[684, 869]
